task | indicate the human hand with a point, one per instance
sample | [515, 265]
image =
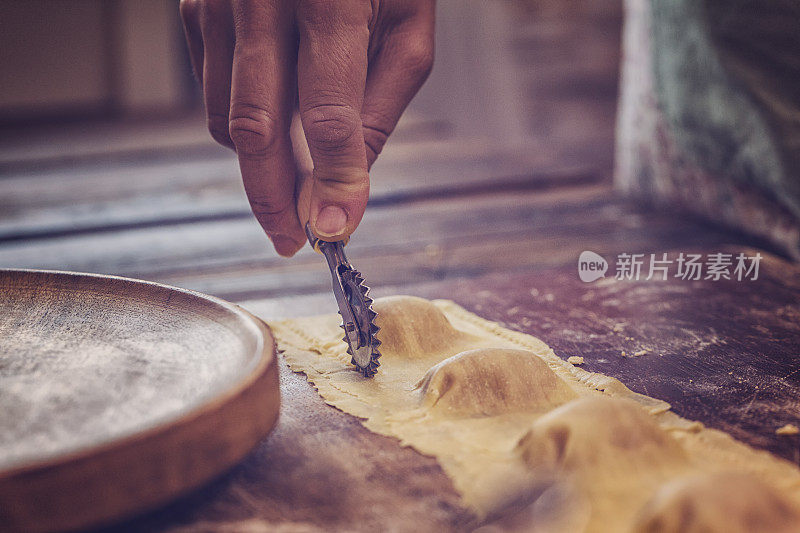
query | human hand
[348, 67]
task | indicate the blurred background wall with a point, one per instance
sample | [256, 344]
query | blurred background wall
[539, 75]
[83, 59]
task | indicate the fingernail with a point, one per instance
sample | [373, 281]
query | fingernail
[331, 221]
[285, 246]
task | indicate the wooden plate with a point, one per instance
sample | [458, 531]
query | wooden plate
[117, 395]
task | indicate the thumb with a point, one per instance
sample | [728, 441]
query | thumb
[338, 198]
[331, 198]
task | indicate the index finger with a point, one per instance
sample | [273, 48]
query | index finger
[262, 100]
[332, 71]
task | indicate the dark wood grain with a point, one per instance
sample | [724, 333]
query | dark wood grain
[441, 238]
[68, 201]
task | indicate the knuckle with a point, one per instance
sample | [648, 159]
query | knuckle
[253, 129]
[330, 127]
[418, 54]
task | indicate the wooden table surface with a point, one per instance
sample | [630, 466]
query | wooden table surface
[721, 352]
[498, 231]
[504, 247]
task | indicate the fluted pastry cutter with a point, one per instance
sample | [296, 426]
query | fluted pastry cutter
[355, 305]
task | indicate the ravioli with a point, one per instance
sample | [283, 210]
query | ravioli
[492, 381]
[729, 502]
[406, 324]
[529, 440]
[600, 437]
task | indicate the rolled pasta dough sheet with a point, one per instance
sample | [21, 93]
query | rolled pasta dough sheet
[527, 438]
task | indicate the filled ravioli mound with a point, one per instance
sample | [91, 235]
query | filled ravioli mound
[732, 502]
[493, 381]
[532, 442]
[600, 436]
[408, 325]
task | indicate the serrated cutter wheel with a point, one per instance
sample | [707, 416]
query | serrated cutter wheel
[355, 306]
